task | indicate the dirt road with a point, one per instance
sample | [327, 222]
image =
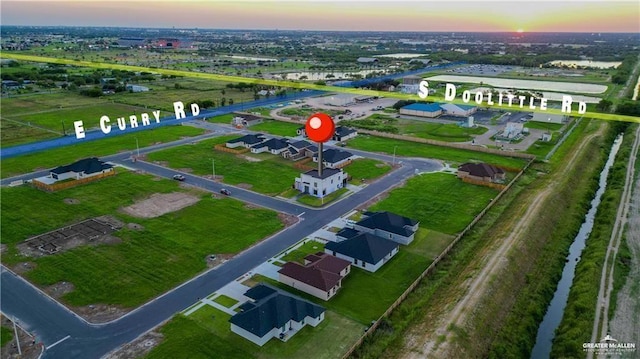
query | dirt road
[606, 281]
[432, 340]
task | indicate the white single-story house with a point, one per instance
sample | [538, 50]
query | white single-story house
[274, 146]
[343, 133]
[246, 141]
[84, 168]
[334, 158]
[319, 186]
[320, 276]
[136, 88]
[273, 313]
[365, 250]
[389, 226]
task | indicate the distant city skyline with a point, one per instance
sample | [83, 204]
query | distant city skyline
[354, 15]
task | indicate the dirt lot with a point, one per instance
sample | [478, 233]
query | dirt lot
[159, 204]
[29, 347]
[137, 348]
[90, 232]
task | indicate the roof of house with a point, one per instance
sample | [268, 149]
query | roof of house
[301, 144]
[86, 165]
[272, 308]
[323, 272]
[452, 106]
[480, 169]
[333, 155]
[327, 263]
[343, 131]
[248, 139]
[326, 173]
[428, 107]
[347, 233]
[389, 222]
[366, 247]
[247, 117]
[273, 144]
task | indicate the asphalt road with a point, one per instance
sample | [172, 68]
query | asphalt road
[65, 335]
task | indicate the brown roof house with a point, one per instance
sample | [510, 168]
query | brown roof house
[321, 275]
[481, 172]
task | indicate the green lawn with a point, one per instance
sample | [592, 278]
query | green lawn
[47, 102]
[298, 254]
[169, 250]
[451, 132]
[414, 149]
[440, 201]
[543, 125]
[262, 110]
[366, 169]
[12, 134]
[206, 333]
[277, 128]
[225, 301]
[90, 115]
[271, 175]
[6, 335]
[313, 201]
[226, 119]
[107, 146]
[364, 296]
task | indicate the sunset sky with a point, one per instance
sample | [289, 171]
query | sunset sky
[459, 16]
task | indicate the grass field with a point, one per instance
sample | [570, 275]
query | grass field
[366, 169]
[107, 146]
[12, 133]
[544, 126]
[6, 335]
[414, 149]
[226, 119]
[225, 301]
[206, 334]
[364, 296]
[90, 115]
[30, 104]
[235, 170]
[440, 201]
[423, 129]
[169, 250]
[277, 128]
[313, 201]
[298, 254]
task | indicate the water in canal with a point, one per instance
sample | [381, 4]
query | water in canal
[551, 320]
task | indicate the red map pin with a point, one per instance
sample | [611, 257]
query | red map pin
[320, 127]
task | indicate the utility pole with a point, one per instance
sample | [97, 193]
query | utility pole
[213, 167]
[394, 156]
[137, 147]
[15, 331]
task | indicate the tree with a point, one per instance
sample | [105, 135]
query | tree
[604, 105]
[230, 101]
[223, 101]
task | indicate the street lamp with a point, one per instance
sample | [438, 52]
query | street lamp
[137, 147]
[213, 167]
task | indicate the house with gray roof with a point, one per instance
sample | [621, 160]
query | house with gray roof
[273, 313]
[389, 226]
[343, 133]
[274, 146]
[334, 158]
[246, 141]
[364, 250]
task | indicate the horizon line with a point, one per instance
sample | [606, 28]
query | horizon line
[317, 30]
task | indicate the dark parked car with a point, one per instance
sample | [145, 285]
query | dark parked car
[178, 177]
[225, 192]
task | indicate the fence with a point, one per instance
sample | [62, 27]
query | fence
[59, 186]
[433, 264]
[223, 148]
[497, 186]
